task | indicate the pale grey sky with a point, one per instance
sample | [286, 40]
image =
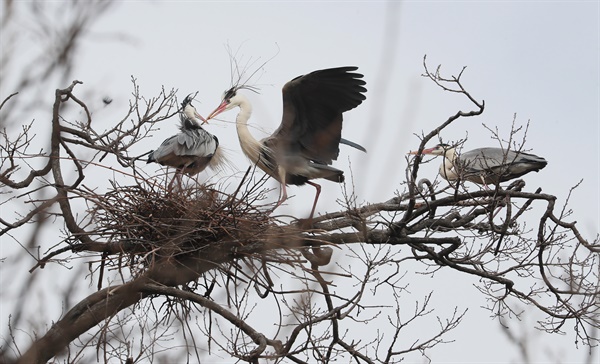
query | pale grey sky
[538, 59]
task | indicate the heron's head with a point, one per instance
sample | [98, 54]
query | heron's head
[440, 149]
[230, 100]
[188, 111]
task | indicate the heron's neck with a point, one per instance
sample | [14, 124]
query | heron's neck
[448, 167]
[250, 146]
[190, 124]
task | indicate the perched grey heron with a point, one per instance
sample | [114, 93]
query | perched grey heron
[307, 141]
[193, 149]
[484, 165]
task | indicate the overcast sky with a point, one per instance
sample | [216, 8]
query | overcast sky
[538, 60]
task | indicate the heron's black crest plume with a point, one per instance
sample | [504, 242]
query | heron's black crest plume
[229, 94]
[187, 101]
[458, 144]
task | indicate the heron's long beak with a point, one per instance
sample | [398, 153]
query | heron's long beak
[425, 151]
[218, 110]
[200, 117]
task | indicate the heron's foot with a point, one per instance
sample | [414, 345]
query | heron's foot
[304, 224]
[319, 256]
[418, 205]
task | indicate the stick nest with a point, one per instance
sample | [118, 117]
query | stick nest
[151, 221]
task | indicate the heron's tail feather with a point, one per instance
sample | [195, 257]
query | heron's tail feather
[328, 172]
[353, 144]
[535, 161]
[151, 158]
[221, 161]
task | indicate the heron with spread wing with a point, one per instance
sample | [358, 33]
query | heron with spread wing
[307, 141]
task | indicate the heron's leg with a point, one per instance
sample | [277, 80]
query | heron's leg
[170, 186]
[283, 193]
[506, 202]
[177, 177]
[318, 187]
[485, 186]
[283, 196]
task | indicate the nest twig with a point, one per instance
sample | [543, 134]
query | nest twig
[155, 223]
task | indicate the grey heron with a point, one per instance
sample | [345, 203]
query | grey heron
[484, 165]
[193, 149]
[307, 141]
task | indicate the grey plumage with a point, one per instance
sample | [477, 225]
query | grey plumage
[497, 165]
[307, 141]
[485, 165]
[193, 149]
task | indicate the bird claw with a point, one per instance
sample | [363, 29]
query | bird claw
[304, 224]
[320, 256]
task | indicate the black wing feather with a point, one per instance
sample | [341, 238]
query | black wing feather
[312, 111]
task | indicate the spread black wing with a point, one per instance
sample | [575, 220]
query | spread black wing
[312, 112]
